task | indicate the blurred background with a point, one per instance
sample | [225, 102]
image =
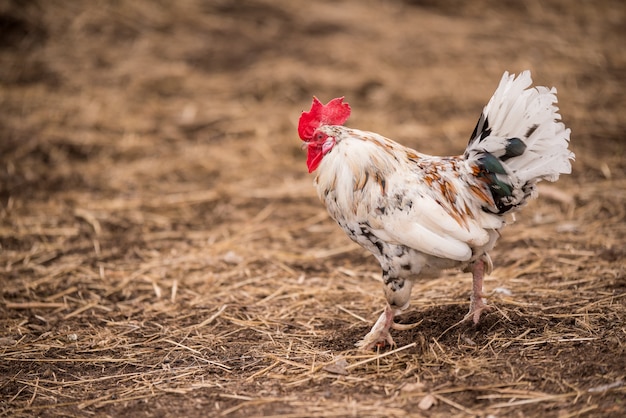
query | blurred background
[150, 168]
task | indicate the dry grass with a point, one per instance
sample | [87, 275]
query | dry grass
[163, 253]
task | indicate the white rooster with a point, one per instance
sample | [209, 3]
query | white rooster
[419, 214]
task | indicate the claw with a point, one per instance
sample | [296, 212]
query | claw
[380, 332]
[477, 306]
[380, 336]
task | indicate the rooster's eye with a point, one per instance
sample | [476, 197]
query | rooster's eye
[319, 136]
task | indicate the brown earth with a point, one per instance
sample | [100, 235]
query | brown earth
[163, 252]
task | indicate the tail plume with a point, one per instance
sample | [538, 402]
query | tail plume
[518, 141]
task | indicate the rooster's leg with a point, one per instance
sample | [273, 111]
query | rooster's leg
[477, 304]
[379, 334]
[380, 331]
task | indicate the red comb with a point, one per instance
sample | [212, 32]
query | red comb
[335, 112]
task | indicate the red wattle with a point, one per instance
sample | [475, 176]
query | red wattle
[314, 157]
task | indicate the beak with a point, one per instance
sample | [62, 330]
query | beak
[304, 145]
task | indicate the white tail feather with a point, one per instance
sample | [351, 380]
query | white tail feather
[513, 112]
[521, 128]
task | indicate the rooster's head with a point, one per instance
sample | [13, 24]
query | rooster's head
[318, 143]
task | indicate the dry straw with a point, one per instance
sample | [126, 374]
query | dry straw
[163, 252]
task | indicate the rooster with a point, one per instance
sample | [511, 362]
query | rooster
[420, 214]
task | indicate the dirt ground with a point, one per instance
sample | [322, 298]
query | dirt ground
[163, 252]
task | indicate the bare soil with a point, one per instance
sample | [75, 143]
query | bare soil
[163, 252]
